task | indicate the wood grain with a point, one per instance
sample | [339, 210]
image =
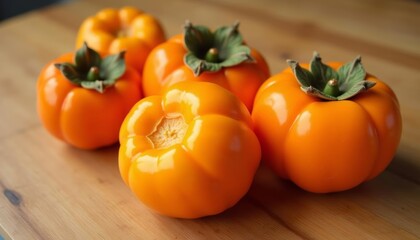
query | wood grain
[52, 191]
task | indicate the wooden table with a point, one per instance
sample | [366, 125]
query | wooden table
[52, 191]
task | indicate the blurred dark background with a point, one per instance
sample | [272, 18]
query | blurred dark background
[10, 8]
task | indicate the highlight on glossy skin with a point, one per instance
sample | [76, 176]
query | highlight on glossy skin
[327, 140]
[126, 29]
[190, 152]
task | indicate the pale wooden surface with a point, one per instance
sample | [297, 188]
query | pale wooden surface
[52, 191]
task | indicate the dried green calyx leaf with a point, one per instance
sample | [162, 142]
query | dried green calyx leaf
[324, 82]
[211, 51]
[90, 71]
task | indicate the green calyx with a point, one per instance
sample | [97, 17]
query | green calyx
[211, 51]
[90, 71]
[324, 82]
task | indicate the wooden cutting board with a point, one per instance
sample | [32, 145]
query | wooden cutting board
[52, 191]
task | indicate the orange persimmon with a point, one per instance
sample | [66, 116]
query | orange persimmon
[341, 130]
[199, 54]
[128, 29]
[83, 99]
[190, 152]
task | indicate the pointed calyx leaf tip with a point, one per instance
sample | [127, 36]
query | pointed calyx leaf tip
[329, 84]
[316, 55]
[187, 24]
[292, 63]
[211, 51]
[90, 71]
